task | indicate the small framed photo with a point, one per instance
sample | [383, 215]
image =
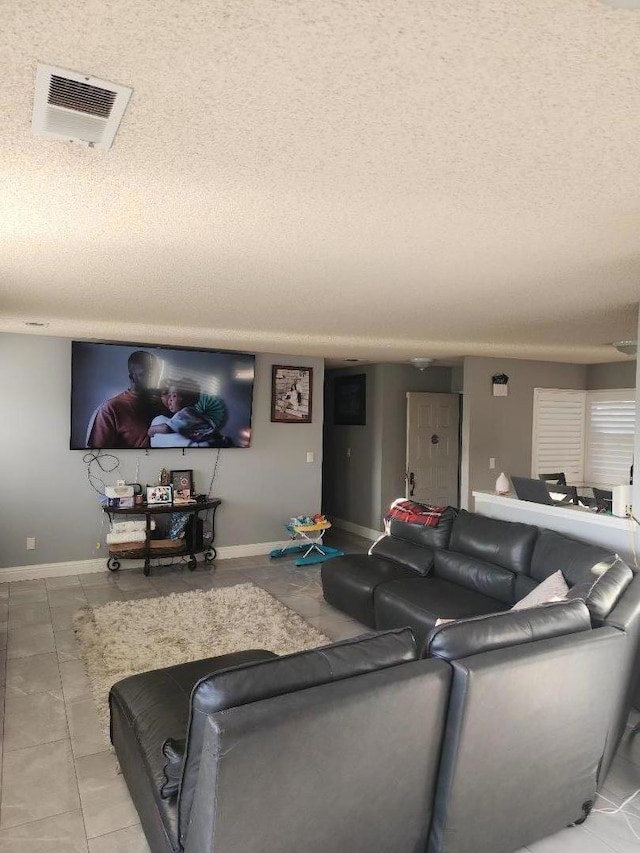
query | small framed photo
[291, 391]
[182, 481]
[159, 495]
[350, 400]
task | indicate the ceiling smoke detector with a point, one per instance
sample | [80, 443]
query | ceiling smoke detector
[77, 107]
[626, 347]
[422, 363]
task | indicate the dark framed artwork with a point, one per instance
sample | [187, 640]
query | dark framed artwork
[350, 400]
[291, 392]
[182, 481]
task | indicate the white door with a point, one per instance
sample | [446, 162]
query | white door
[432, 448]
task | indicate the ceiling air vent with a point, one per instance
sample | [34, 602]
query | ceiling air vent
[77, 107]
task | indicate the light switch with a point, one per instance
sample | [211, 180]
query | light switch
[311, 456]
[492, 462]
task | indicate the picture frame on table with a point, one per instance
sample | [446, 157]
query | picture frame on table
[291, 394]
[350, 400]
[159, 495]
[182, 480]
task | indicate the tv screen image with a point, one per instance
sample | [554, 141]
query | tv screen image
[139, 396]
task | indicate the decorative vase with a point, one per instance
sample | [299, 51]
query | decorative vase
[503, 485]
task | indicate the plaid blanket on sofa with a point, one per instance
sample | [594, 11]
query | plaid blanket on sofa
[415, 513]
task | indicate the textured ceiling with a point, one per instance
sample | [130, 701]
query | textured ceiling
[375, 179]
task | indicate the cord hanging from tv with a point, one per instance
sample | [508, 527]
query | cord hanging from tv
[140, 396]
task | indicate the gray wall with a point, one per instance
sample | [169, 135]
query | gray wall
[502, 426]
[619, 374]
[47, 494]
[358, 488]
[457, 378]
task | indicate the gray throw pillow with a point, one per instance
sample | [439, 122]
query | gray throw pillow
[554, 588]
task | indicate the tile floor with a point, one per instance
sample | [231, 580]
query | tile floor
[60, 787]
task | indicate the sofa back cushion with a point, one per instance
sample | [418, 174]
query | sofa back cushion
[418, 558]
[412, 545]
[348, 766]
[507, 544]
[241, 685]
[532, 722]
[625, 617]
[578, 561]
[485, 578]
[419, 534]
[602, 593]
[466, 637]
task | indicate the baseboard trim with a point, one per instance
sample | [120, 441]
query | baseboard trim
[85, 567]
[365, 532]
[52, 570]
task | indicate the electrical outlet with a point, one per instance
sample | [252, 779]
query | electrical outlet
[98, 546]
[31, 543]
[492, 462]
[311, 456]
[348, 453]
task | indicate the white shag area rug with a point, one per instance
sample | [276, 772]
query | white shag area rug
[123, 638]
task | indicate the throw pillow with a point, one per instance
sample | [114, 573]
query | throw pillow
[415, 513]
[554, 588]
[173, 751]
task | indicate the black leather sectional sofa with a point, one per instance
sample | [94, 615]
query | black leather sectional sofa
[485, 735]
[471, 565]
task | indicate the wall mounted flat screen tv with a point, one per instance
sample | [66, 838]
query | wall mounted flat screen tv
[139, 396]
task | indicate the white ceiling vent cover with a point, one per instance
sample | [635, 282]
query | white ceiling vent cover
[76, 107]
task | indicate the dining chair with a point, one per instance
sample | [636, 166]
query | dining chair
[569, 493]
[604, 498]
[559, 479]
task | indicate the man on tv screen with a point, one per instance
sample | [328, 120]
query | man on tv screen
[123, 420]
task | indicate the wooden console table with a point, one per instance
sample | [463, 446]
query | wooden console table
[191, 544]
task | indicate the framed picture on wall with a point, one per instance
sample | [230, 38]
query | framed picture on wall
[350, 400]
[291, 392]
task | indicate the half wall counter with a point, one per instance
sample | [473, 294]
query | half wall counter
[599, 529]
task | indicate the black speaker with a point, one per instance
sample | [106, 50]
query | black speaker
[194, 535]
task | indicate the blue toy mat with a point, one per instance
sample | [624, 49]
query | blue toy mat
[328, 554]
[315, 557]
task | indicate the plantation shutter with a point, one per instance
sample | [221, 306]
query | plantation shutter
[611, 417]
[558, 439]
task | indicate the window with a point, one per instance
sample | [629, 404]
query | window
[587, 434]
[611, 417]
[558, 433]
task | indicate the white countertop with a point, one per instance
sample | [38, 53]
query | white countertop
[597, 528]
[569, 511]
